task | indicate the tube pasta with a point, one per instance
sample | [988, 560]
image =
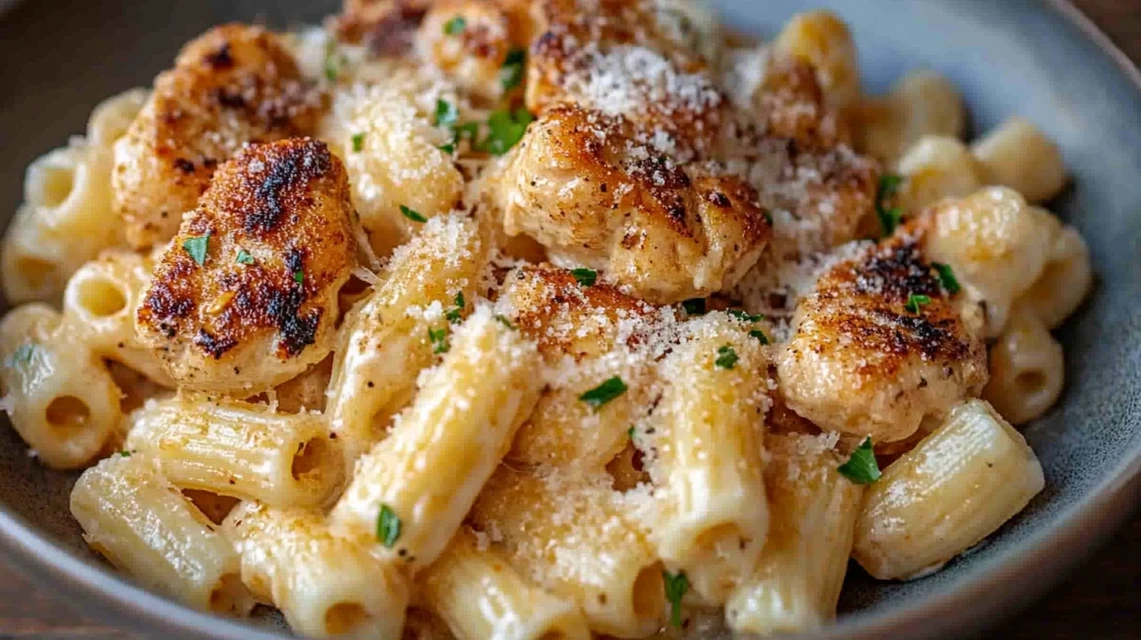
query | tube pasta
[59, 395]
[938, 167]
[1018, 155]
[797, 582]
[325, 585]
[1027, 370]
[111, 118]
[577, 539]
[920, 104]
[384, 343]
[714, 517]
[445, 446]
[239, 449]
[99, 304]
[1065, 281]
[144, 526]
[956, 487]
[481, 597]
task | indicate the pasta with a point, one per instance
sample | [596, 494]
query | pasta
[136, 519]
[536, 320]
[952, 490]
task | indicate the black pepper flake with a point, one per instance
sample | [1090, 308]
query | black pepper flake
[183, 165]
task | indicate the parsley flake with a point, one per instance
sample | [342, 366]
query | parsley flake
[861, 467]
[244, 257]
[439, 340]
[358, 142]
[455, 26]
[676, 586]
[745, 316]
[630, 433]
[446, 113]
[502, 319]
[603, 393]
[299, 276]
[333, 60]
[505, 129]
[947, 278]
[511, 73]
[387, 526]
[694, 306]
[124, 453]
[759, 335]
[453, 314]
[915, 301]
[196, 247]
[585, 277]
[726, 357]
[412, 214]
[889, 217]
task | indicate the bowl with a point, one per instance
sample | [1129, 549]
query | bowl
[1044, 61]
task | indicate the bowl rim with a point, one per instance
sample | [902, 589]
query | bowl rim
[1032, 566]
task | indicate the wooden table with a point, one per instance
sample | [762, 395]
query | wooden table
[1102, 601]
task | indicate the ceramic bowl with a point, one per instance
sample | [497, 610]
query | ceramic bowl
[1038, 59]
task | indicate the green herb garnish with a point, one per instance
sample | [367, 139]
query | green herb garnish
[726, 357]
[387, 526]
[861, 467]
[505, 129]
[196, 247]
[299, 276]
[244, 257]
[915, 301]
[439, 340]
[676, 585]
[446, 113]
[453, 315]
[455, 26]
[759, 335]
[124, 453]
[585, 277]
[504, 321]
[412, 215]
[947, 278]
[889, 217]
[745, 316]
[604, 392]
[358, 142]
[333, 60]
[630, 433]
[694, 306]
[511, 73]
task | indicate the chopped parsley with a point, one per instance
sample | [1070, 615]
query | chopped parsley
[412, 214]
[511, 73]
[299, 276]
[726, 357]
[504, 321]
[759, 335]
[23, 353]
[694, 306]
[745, 316]
[947, 278]
[125, 454]
[604, 392]
[585, 277]
[196, 247]
[630, 433]
[915, 301]
[453, 314]
[446, 113]
[244, 257]
[439, 340]
[889, 217]
[505, 128]
[387, 526]
[676, 586]
[455, 26]
[358, 142]
[333, 60]
[861, 467]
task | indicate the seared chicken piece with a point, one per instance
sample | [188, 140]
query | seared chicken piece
[245, 297]
[595, 191]
[472, 40]
[387, 27]
[232, 85]
[880, 345]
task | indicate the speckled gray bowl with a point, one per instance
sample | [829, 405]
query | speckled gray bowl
[1041, 60]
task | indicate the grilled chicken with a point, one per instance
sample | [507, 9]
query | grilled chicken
[245, 297]
[232, 85]
[879, 345]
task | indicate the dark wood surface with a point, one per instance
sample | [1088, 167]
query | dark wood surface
[1101, 600]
